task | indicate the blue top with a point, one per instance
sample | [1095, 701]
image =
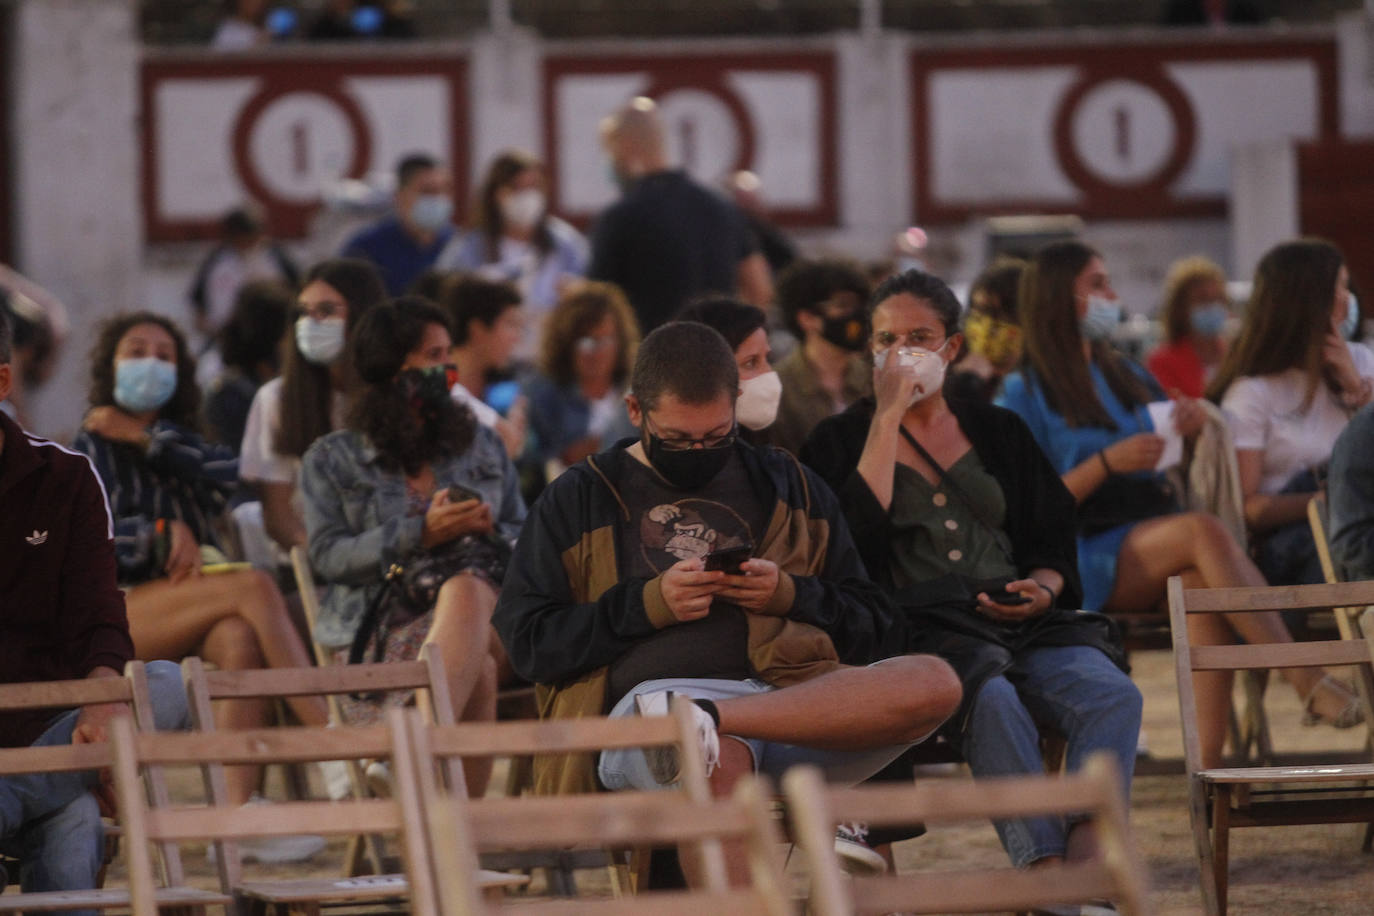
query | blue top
[395, 252]
[559, 416]
[1067, 447]
[538, 279]
[358, 519]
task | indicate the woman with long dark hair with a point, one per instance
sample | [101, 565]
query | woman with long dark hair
[308, 400]
[167, 487]
[513, 238]
[415, 482]
[1289, 386]
[1085, 403]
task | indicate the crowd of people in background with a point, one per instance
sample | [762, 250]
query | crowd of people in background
[920, 518]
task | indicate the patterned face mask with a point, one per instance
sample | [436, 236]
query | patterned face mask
[997, 341]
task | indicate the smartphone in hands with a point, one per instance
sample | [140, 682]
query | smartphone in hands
[459, 493]
[728, 559]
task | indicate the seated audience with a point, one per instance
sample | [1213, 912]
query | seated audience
[760, 389]
[1194, 314]
[64, 619]
[957, 513]
[1288, 387]
[405, 244]
[823, 305]
[614, 598]
[1350, 498]
[245, 253]
[488, 323]
[309, 398]
[249, 348]
[577, 402]
[412, 480]
[514, 238]
[167, 489]
[1085, 405]
[992, 334]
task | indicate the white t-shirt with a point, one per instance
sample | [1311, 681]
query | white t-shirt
[259, 460]
[484, 412]
[1266, 414]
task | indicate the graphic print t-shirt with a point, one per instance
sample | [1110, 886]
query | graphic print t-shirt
[667, 525]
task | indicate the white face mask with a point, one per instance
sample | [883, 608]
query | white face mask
[757, 404]
[320, 341]
[522, 209]
[927, 365]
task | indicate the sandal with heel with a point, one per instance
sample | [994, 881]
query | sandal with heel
[1351, 714]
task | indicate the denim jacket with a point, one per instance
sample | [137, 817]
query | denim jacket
[356, 516]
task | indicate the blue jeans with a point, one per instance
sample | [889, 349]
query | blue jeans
[625, 768]
[50, 822]
[1077, 692]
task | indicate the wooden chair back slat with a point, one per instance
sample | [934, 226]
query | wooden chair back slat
[65, 694]
[400, 814]
[614, 819]
[1325, 653]
[1279, 597]
[553, 736]
[1116, 872]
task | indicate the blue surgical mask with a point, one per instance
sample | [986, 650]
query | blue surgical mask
[144, 384]
[431, 212]
[1209, 320]
[1100, 319]
[321, 341]
[1352, 318]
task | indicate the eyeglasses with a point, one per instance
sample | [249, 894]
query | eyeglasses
[594, 344]
[683, 444]
[920, 337]
[320, 311]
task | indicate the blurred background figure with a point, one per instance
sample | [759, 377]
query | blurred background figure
[347, 20]
[243, 26]
[668, 240]
[992, 333]
[243, 254]
[405, 243]
[250, 352]
[1212, 12]
[38, 325]
[488, 322]
[1195, 314]
[512, 237]
[577, 402]
[743, 328]
[824, 304]
[746, 190]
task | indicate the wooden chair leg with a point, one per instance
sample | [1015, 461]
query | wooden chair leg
[1221, 842]
[1202, 841]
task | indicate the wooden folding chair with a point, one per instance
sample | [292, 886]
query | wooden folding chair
[690, 818]
[170, 888]
[425, 676]
[1262, 795]
[398, 815]
[1347, 618]
[1117, 873]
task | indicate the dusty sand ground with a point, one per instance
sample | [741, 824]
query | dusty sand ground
[1290, 870]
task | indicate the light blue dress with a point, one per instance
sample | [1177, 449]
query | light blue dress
[1068, 446]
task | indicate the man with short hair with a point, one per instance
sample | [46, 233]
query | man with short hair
[613, 600]
[406, 243]
[668, 240]
[61, 617]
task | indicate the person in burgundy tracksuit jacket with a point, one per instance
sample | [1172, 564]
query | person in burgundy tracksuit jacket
[61, 617]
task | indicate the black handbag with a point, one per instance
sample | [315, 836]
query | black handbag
[1122, 500]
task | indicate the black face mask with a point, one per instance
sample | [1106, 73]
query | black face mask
[427, 390]
[687, 469]
[848, 332]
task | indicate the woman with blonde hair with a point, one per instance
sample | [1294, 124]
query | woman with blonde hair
[1194, 314]
[577, 402]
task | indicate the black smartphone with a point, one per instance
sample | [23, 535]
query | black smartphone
[459, 493]
[1002, 596]
[728, 559]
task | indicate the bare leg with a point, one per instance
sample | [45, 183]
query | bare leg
[897, 701]
[462, 631]
[231, 647]
[481, 707]
[170, 620]
[1198, 548]
[736, 762]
